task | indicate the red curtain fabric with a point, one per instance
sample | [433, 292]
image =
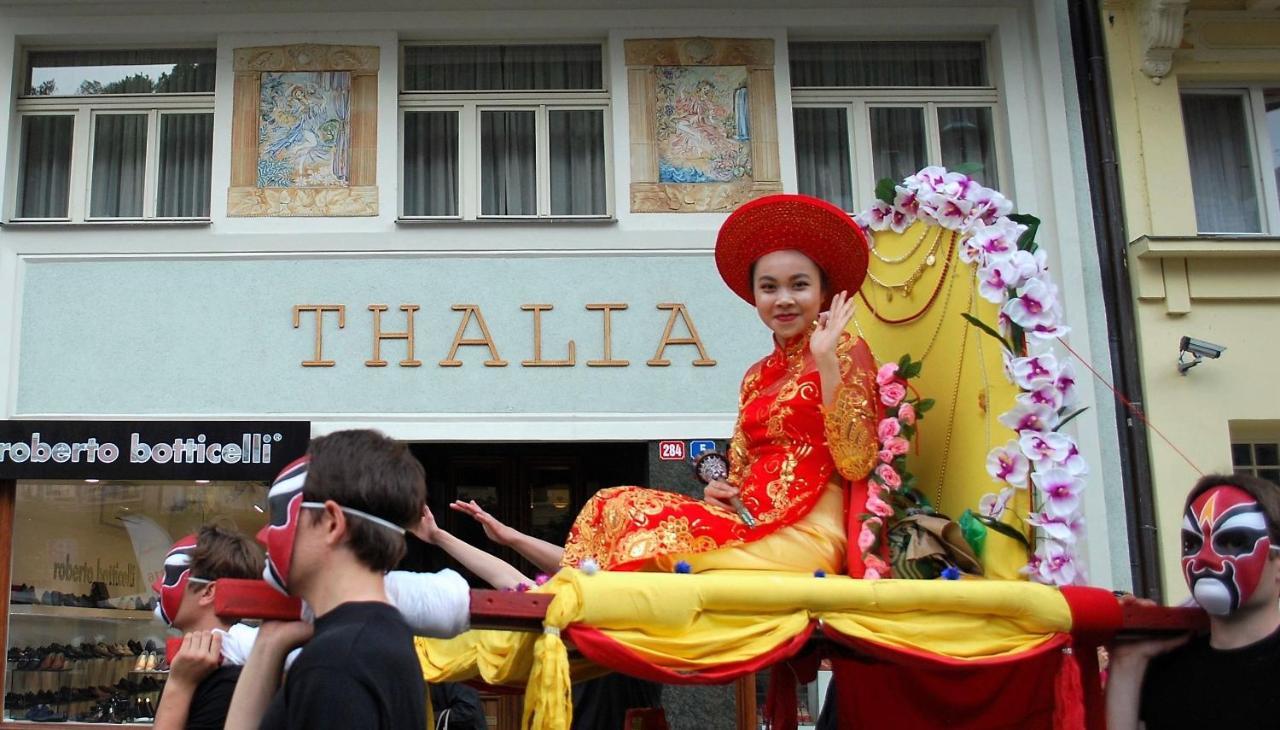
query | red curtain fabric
[880, 687]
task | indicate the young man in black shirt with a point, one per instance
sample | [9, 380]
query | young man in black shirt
[337, 525]
[198, 691]
[1228, 679]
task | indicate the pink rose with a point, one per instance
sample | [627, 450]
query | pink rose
[897, 446]
[888, 476]
[873, 562]
[907, 414]
[879, 507]
[892, 394]
[888, 429]
[885, 455]
[887, 374]
[866, 539]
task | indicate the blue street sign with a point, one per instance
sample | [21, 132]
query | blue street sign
[698, 448]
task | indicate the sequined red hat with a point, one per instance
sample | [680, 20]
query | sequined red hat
[814, 227]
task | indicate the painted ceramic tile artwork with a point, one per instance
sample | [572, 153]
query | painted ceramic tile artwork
[702, 129]
[304, 129]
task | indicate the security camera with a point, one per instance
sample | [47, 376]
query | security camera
[1198, 349]
[1201, 348]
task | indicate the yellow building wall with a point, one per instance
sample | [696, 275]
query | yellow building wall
[1224, 291]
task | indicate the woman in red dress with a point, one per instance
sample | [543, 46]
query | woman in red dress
[805, 438]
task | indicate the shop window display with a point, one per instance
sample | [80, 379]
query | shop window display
[83, 640]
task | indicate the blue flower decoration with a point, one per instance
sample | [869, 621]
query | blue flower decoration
[819, 573]
[683, 567]
[951, 573]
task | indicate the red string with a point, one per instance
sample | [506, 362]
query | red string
[1135, 410]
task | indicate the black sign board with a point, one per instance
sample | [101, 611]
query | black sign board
[141, 450]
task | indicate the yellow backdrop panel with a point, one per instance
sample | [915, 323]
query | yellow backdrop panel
[918, 272]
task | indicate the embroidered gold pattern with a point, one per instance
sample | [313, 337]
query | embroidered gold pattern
[850, 432]
[739, 464]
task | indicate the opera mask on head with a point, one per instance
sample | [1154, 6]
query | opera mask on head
[1225, 546]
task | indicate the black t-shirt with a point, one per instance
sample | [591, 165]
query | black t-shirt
[602, 703]
[212, 699]
[1197, 686]
[359, 670]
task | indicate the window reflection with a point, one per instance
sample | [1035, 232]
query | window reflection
[97, 73]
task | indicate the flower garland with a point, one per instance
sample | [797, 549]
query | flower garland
[1013, 272]
[890, 485]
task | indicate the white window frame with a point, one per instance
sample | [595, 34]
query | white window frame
[1253, 467]
[85, 109]
[1255, 119]
[15, 154]
[470, 104]
[857, 101]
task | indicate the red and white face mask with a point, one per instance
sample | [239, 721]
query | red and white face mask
[172, 583]
[284, 505]
[1225, 546]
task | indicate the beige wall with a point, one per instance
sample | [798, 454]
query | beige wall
[1226, 291]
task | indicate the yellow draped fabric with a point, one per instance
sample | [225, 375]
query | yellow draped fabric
[963, 372]
[816, 542]
[697, 622]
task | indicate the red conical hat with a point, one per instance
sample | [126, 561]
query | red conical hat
[814, 227]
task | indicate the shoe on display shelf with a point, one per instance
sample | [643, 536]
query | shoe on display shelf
[45, 713]
[22, 593]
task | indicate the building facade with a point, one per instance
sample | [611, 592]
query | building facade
[478, 226]
[1196, 93]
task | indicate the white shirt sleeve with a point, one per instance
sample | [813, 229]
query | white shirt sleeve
[433, 604]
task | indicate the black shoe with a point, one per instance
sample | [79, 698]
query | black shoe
[98, 591]
[22, 594]
[97, 713]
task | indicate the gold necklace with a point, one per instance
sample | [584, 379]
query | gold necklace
[907, 284]
[906, 255]
[942, 316]
[948, 278]
[955, 401]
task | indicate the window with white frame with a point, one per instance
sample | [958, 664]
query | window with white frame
[1233, 142]
[504, 131]
[869, 110]
[114, 135]
[1261, 458]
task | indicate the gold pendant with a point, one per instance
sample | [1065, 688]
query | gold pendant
[906, 290]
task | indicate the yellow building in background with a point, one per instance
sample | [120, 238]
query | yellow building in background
[1196, 107]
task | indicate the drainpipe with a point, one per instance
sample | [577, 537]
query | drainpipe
[1094, 89]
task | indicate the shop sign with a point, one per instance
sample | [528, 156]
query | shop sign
[141, 450]
[680, 331]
